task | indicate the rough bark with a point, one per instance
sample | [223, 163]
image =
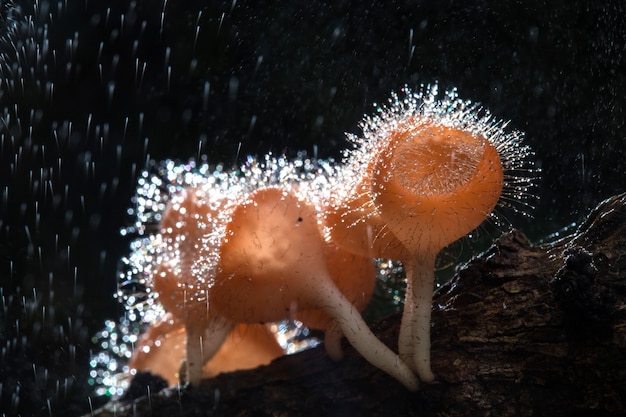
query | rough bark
[518, 331]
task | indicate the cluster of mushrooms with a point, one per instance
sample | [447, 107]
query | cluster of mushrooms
[236, 255]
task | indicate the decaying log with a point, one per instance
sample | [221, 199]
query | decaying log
[518, 331]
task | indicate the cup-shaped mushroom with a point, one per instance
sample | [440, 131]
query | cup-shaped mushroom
[273, 264]
[432, 185]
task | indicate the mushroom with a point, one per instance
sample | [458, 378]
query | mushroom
[274, 263]
[258, 260]
[432, 186]
[426, 173]
[191, 231]
[162, 348]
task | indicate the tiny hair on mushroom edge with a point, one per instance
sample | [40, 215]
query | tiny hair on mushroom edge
[418, 151]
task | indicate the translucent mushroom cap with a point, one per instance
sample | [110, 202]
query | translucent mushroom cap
[163, 347]
[274, 258]
[356, 225]
[434, 184]
[186, 269]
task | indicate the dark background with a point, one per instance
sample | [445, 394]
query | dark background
[81, 116]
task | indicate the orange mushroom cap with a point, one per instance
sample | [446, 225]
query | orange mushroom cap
[434, 184]
[186, 269]
[355, 224]
[162, 349]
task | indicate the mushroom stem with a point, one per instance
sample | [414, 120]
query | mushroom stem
[361, 338]
[203, 341]
[420, 281]
[405, 338]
